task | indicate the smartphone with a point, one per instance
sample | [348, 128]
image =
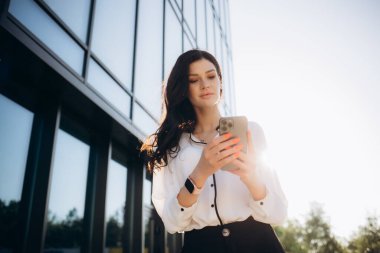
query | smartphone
[237, 126]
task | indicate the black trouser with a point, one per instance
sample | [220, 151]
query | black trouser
[247, 236]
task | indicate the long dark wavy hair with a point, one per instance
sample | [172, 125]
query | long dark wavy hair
[178, 113]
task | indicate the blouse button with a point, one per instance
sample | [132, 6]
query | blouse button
[261, 203]
[212, 205]
[226, 232]
[212, 185]
[182, 209]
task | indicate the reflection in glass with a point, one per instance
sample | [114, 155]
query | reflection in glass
[113, 36]
[201, 24]
[74, 13]
[15, 129]
[142, 120]
[210, 30]
[189, 14]
[67, 195]
[41, 25]
[115, 206]
[173, 39]
[148, 69]
[108, 88]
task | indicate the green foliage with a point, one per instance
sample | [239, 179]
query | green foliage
[367, 239]
[291, 237]
[314, 236]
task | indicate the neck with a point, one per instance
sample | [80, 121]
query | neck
[207, 120]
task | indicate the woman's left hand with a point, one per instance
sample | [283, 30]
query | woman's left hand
[246, 170]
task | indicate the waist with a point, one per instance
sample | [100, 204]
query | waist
[236, 228]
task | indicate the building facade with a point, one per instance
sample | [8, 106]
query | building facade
[80, 87]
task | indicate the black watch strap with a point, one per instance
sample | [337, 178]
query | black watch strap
[191, 187]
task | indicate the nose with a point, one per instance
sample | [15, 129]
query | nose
[204, 84]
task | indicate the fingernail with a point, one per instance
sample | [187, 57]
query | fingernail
[238, 147]
[236, 140]
[236, 155]
[227, 135]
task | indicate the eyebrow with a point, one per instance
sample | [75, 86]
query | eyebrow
[208, 71]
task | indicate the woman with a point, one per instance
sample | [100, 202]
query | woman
[219, 211]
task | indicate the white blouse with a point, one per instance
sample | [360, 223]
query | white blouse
[234, 201]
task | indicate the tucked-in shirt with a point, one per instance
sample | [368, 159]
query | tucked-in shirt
[234, 201]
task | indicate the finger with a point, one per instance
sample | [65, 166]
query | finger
[228, 159]
[235, 171]
[239, 164]
[249, 141]
[225, 145]
[216, 141]
[229, 151]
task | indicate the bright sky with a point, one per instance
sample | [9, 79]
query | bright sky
[309, 73]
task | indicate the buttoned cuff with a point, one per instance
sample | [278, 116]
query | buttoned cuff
[177, 216]
[262, 208]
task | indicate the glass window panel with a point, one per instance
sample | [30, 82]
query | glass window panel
[173, 39]
[147, 192]
[41, 25]
[189, 14]
[210, 30]
[15, 130]
[113, 36]
[218, 48]
[115, 206]
[143, 121]
[227, 17]
[223, 16]
[74, 13]
[179, 3]
[217, 6]
[201, 24]
[186, 44]
[67, 194]
[148, 69]
[108, 88]
[231, 90]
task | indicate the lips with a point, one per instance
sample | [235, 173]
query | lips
[206, 95]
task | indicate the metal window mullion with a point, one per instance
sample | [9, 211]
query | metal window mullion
[96, 191]
[134, 60]
[35, 193]
[90, 30]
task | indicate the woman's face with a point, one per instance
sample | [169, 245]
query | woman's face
[204, 84]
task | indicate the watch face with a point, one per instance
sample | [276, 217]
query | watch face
[189, 185]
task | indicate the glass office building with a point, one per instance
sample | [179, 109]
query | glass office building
[80, 87]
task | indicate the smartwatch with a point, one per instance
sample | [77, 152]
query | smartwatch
[191, 187]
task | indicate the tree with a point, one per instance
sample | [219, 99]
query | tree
[367, 239]
[317, 236]
[291, 237]
[314, 236]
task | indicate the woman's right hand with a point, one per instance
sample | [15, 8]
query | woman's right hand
[219, 152]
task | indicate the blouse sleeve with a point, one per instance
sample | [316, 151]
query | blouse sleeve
[273, 208]
[166, 186]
